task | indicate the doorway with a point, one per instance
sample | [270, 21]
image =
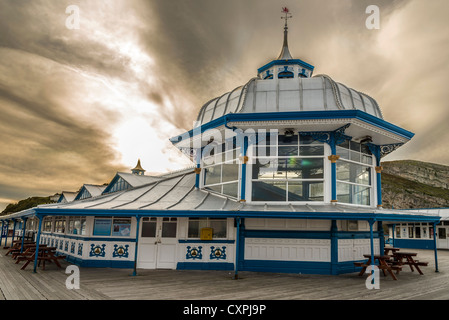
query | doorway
[442, 237]
[157, 243]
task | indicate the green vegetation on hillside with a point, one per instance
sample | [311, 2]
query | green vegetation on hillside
[25, 204]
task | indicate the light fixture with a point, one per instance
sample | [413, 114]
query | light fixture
[366, 139]
[289, 133]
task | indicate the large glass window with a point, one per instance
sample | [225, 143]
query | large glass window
[218, 225]
[221, 168]
[354, 173]
[106, 226]
[77, 225]
[287, 167]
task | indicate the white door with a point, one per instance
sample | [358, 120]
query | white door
[157, 243]
[442, 237]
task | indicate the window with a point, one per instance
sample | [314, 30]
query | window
[398, 232]
[354, 177]
[221, 168]
[106, 226]
[149, 227]
[287, 167]
[119, 185]
[60, 223]
[77, 225]
[121, 227]
[47, 224]
[218, 225]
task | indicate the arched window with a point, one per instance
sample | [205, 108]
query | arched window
[285, 74]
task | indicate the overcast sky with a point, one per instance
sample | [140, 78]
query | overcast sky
[78, 105]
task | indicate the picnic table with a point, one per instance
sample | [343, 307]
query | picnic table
[406, 258]
[45, 254]
[16, 246]
[388, 249]
[385, 264]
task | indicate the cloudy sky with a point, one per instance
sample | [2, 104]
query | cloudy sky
[78, 105]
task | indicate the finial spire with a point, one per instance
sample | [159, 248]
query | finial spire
[285, 53]
[138, 169]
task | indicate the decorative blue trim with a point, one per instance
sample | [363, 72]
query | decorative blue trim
[285, 62]
[97, 250]
[120, 251]
[414, 243]
[297, 115]
[194, 253]
[205, 266]
[83, 189]
[298, 267]
[217, 253]
[205, 241]
[233, 214]
[103, 263]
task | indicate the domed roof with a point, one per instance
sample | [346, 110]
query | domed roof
[287, 85]
[316, 93]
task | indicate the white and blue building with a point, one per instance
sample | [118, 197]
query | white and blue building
[286, 177]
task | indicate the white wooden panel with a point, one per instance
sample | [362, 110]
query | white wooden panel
[287, 249]
[354, 249]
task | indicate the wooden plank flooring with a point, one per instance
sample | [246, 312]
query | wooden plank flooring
[118, 284]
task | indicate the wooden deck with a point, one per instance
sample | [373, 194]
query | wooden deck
[118, 284]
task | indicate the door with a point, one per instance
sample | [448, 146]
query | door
[442, 237]
[157, 243]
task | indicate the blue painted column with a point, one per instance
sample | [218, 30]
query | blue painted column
[23, 233]
[38, 239]
[237, 249]
[7, 231]
[198, 167]
[394, 231]
[1, 232]
[371, 224]
[380, 231]
[379, 183]
[435, 245]
[244, 164]
[137, 245]
[333, 159]
[13, 231]
[334, 248]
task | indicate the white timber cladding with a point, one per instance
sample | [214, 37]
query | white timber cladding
[287, 224]
[354, 249]
[288, 249]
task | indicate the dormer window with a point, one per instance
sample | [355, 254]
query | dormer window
[286, 73]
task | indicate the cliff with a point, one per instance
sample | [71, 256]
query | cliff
[408, 184]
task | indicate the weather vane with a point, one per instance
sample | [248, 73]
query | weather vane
[287, 15]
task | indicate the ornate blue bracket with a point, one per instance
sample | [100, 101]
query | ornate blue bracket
[332, 138]
[379, 152]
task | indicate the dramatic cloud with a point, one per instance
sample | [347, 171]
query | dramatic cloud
[78, 105]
